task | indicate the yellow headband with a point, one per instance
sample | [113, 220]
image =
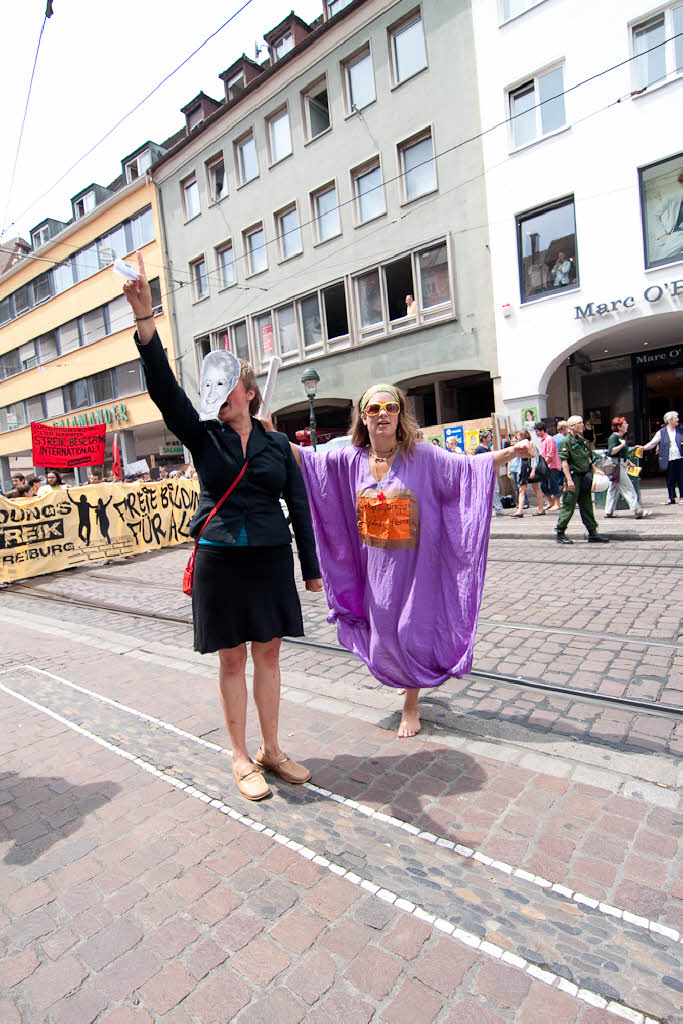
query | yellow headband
[374, 390]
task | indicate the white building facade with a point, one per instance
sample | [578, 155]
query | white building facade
[581, 113]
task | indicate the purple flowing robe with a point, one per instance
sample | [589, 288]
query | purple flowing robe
[403, 561]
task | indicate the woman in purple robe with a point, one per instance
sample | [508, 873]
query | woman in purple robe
[402, 531]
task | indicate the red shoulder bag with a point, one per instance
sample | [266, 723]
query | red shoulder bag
[188, 575]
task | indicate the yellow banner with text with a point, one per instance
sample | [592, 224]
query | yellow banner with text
[88, 524]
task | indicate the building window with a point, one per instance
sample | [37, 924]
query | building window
[142, 228]
[69, 336]
[657, 59]
[129, 379]
[22, 300]
[54, 402]
[279, 136]
[40, 236]
[225, 259]
[93, 326]
[335, 6]
[311, 325]
[136, 167]
[102, 387]
[336, 314]
[120, 314]
[84, 205]
[368, 191]
[235, 85]
[264, 336]
[77, 395]
[408, 52]
[27, 356]
[418, 167]
[190, 197]
[289, 233]
[511, 8]
[216, 177]
[283, 46]
[316, 109]
[5, 310]
[234, 339]
[287, 334]
[537, 107]
[326, 213]
[41, 288]
[661, 197]
[255, 247]
[200, 280]
[35, 409]
[47, 347]
[369, 299]
[434, 277]
[360, 81]
[546, 240]
[247, 162]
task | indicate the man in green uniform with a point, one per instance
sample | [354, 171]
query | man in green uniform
[578, 469]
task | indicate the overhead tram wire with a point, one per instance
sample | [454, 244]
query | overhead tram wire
[136, 107]
[397, 177]
[48, 13]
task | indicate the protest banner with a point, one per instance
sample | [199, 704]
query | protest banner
[79, 525]
[66, 447]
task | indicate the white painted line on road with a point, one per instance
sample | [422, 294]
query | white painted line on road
[489, 949]
[462, 851]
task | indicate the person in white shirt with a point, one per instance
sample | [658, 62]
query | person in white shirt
[670, 441]
[561, 270]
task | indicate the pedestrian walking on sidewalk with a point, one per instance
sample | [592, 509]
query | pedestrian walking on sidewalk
[527, 475]
[244, 589]
[670, 441]
[578, 468]
[620, 484]
[402, 529]
[552, 484]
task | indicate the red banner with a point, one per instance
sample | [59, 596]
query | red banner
[66, 447]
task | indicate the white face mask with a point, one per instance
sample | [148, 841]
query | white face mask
[220, 374]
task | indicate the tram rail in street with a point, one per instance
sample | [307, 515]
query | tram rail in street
[605, 700]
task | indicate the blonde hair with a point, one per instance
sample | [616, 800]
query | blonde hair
[249, 382]
[408, 432]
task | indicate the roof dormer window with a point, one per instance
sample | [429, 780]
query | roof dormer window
[136, 167]
[282, 46]
[84, 205]
[235, 85]
[40, 236]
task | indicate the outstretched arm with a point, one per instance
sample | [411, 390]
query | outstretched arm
[520, 449]
[139, 296]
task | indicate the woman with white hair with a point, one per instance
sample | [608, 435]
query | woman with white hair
[670, 441]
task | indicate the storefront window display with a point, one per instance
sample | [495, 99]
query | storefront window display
[661, 197]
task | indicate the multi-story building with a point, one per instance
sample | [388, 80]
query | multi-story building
[66, 351]
[584, 181]
[330, 210]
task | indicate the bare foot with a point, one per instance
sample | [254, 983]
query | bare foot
[401, 692]
[410, 719]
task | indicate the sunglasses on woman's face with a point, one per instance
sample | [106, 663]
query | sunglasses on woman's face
[374, 408]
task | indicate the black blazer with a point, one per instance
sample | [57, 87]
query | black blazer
[217, 452]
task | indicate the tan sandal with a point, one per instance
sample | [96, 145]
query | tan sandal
[287, 769]
[251, 783]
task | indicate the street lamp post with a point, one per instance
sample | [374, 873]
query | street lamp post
[310, 381]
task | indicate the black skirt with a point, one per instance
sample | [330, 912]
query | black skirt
[242, 594]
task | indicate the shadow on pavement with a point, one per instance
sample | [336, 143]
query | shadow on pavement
[45, 809]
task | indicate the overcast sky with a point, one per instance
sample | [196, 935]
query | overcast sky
[96, 61]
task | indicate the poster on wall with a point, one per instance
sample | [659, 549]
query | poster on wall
[76, 525]
[661, 191]
[456, 434]
[529, 417]
[66, 447]
[471, 440]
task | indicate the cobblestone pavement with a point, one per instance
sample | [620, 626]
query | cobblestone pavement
[494, 869]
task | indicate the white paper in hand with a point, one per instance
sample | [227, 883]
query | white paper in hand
[275, 364]
[125, 270]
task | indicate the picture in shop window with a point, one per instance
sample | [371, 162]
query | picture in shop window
[661, 189]
[547, 251]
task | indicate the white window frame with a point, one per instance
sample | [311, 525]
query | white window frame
[533, 81]
[219, 250]
[330, 3]
[505, 18]
[670, 71]
[318, 86]
[414, 140]
[140, 163]
[209, 165]
[278, 115]
[195, 277]
[232, 82]
[279, 214]
[238, 144]
[287, 37]
[41, 236]
[246, 236]
[185, 186]
[395, 30]
[315, 196]
[364, 53]
[374, 164]
[88, 203]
